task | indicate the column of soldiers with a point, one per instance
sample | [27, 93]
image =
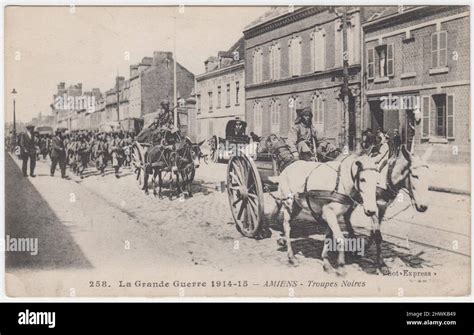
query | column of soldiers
[76, 150]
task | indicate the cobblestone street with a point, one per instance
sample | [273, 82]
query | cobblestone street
[103, 228]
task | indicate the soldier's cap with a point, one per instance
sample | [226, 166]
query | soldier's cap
[58, 131]
[30, 127]
[303, 111]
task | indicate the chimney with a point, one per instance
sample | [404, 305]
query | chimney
[211, 64]
[119, 82]
[160, 57]
[133, 70]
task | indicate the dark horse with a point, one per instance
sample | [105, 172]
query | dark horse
[176, 155]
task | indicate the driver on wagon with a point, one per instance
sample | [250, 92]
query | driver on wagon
[302, 137]
[238, 128]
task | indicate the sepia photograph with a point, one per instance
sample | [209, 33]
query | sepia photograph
[237, 151]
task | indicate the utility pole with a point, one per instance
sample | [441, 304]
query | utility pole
[117, 89]
[14, 117]
[175, 102]
[345, 84]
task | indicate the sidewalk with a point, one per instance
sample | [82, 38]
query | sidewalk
[448, 178]
[451, 178]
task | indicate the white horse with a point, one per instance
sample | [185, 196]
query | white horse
[403, 172]
[300, 184]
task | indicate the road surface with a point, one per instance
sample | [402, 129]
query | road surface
[97, 234]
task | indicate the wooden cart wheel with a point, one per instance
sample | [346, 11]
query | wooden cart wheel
[245, 191]
[138, 162]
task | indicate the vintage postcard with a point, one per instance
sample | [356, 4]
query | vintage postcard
[237, 151]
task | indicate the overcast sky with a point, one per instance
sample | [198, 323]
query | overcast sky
[89, 46]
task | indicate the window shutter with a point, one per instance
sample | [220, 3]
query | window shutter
[321, 111]
[425, 118]
[298, 57]
[370, 63]
[434, 50]
[390, 60]
[319, 46]
[450, 117]
[443, 48]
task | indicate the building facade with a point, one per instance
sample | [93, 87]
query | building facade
[157, 82]
[295, 60]
[220, 94]
[71, 101]
[135, 95]
[417, 60]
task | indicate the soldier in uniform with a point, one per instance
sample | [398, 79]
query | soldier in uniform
[58, 154]
[115, 150]
[28, 151]
[100, 154]
[302, 137]
[83, 155]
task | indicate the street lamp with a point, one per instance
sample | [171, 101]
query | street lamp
[14, 118]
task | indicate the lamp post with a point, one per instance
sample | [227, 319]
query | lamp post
[14, 118]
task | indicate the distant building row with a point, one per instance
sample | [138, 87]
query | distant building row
[136, 98]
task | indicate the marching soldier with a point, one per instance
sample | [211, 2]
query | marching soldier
[83, 155]
[58, 154]
[115, 150]
[100, 152]
[28, 151]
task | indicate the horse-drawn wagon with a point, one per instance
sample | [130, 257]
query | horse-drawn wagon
[329, 191]
[162, 151]
[222, 149]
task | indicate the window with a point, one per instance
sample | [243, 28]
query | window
[440, 114]
[439, 49]
[425, 117]
[210, 102]
[317, 107]
[257, 66]
[294, 54]
[352, 53]
[228, 96]
[370, 63]
[444, 116]
[275, 116]
[219, 96]
[318, 50]
[257, 113]
[237, 89]
[211, 128]
[199, 104]
[275, 57]
[385, 64]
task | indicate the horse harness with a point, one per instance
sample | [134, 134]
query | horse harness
[334, 195]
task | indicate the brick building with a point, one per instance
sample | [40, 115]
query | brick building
[220, 94]
[295, 59]
[417, 60]
[156, 83]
